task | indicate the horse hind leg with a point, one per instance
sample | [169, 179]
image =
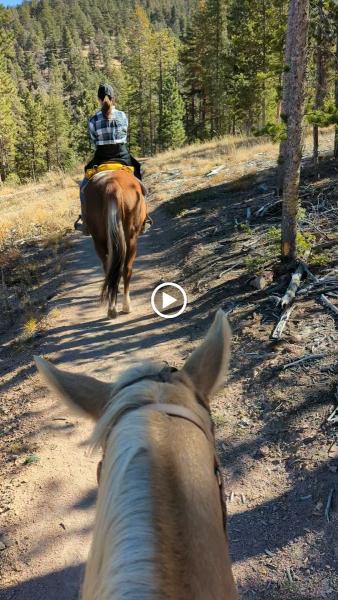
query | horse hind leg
[102, 252]
[127, 273]
[112, 302]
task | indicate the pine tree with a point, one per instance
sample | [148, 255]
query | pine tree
[171, 134]
[165, 66]
[256, 30]
[293, 102]
[140, 75]
[60, 154]
[9, 101]
[32, 143]
[323, 38]
[215, 72]
[81, 144]
[193, 59]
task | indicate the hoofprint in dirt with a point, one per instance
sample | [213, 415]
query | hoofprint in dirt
[280, 466]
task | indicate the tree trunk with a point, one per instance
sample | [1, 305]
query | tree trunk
[320, 83]
[336, 100]
[264, 50]
[286, 78]
[160, 102]
[298, 25]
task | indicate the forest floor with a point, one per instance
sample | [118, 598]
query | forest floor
[278, 450]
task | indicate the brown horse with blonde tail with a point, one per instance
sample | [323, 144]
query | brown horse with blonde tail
[160, 518]
[115, 213]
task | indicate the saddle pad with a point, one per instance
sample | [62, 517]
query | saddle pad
[108, 167]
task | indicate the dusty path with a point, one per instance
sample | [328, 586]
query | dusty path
[50, 522]
[269, 425]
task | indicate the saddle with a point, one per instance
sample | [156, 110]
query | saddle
[108, 166]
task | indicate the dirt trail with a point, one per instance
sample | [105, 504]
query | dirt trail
[50, 522]
[270, 424]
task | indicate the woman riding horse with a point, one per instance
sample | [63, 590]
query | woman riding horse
[108, 132]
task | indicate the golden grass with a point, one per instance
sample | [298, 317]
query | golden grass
[198, 159]
[42, 210]
[239, 156]
[201, 157]
[31, 327]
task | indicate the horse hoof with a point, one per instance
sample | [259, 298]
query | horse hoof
[112, 313]
[126, 309]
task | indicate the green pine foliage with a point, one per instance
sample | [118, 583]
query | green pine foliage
[31, 148]
[9, 101]
[183, 70]
[172, 134]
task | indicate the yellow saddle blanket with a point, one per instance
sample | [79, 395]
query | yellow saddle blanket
[108, 167]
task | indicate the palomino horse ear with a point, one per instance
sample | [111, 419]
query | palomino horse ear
[208, 364]
[79, 391]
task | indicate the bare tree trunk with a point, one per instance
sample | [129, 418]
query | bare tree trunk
[320, 83]
[264, 50]
[336, 99]
[284, 109]
[298, 26]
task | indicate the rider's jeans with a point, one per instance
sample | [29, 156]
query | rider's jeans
[83, 186]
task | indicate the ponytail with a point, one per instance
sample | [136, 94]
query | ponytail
[107, 107]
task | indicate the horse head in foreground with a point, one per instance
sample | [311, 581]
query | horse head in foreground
[115, 213]
[160, 527]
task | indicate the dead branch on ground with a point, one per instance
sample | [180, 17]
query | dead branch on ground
[277, 333]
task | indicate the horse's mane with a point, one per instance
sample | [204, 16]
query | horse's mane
[143, 393]
[122, 557]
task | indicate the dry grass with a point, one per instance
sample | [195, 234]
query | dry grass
[196, 160]
[199, 158]
[31, 327]
[44, 210]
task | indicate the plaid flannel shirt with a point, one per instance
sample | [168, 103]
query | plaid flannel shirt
[108, 131]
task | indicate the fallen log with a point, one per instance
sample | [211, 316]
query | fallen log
[277, 332]
[294, 284]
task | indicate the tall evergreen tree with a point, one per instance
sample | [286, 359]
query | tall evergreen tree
[32, 143]
[60, 154]
[171, 133]
[9, 101]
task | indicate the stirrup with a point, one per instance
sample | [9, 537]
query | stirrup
[77, 224]
[81, 226]
[147, 224]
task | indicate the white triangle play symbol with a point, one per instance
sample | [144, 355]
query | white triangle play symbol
[167, 300]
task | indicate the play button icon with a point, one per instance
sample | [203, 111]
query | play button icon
[167, 300]
[174, 297]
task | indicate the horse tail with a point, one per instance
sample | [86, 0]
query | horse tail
[117, 248]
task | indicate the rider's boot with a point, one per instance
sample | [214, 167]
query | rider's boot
[83, 227]
[147, 224]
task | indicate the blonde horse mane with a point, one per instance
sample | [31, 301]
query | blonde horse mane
[121, 560]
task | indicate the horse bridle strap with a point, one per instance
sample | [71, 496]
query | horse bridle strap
[176, 410]
[171, 410]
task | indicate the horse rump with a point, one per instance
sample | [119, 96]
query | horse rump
[116, 243]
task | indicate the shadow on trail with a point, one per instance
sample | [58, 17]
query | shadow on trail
[88, 501]
[63, 584]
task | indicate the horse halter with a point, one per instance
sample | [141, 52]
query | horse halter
[174, 410]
